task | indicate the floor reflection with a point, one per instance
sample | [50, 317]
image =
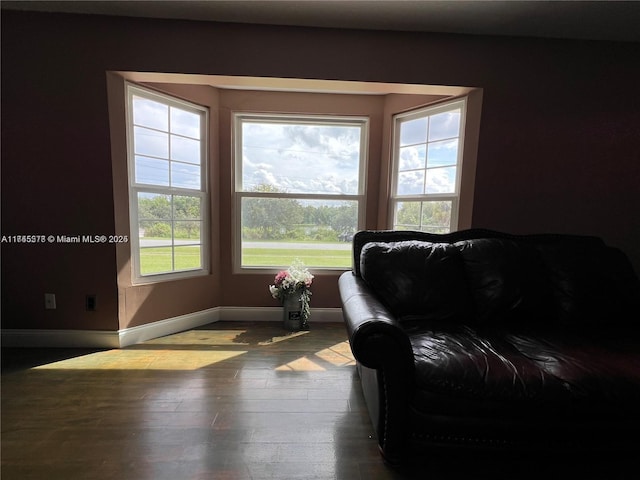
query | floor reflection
[229, 400]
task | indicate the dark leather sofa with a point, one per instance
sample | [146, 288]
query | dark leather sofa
[487, 340]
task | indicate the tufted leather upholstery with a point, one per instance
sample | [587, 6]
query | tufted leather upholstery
[488, 339]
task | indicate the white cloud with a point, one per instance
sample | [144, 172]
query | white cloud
[301, 158]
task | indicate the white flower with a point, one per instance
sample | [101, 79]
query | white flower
[293, 278]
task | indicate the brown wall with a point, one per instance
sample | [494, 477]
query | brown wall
[559, 144]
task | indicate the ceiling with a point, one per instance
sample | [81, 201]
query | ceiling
[571, 19]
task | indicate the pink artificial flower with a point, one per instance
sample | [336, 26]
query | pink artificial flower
[280, 277]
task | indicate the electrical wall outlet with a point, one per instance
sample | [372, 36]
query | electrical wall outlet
[50, 301]
[90, 303]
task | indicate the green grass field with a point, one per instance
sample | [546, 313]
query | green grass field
[311, 257]
[158, 260]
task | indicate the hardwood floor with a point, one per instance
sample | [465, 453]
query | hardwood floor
[230, 400]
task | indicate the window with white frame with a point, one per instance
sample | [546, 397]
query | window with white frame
[167, 141]
[427, 160]
[299, 189]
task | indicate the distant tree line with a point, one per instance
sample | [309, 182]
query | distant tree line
[157, 219]
[262, 218]
[431, 216]
[287, 218]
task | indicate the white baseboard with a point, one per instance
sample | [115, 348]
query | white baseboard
[142, 333]
[149, 331]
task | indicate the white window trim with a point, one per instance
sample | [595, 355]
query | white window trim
[239, 194]
[453, 197]
[134, 188]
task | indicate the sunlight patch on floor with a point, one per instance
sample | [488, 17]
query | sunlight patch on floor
[302, 364]
[143, 360]
[199, 348]
[282, 338]
[202, 337]
[220, 338]
[339, 355]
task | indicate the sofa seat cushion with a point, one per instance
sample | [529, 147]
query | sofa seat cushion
[598, 372]
[463, 372]
[459, 372]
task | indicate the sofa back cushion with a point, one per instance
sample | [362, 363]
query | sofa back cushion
[572, 280]
[593, 284]
[418, 280]
[508, 281]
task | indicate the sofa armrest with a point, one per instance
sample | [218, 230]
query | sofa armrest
[377, 340]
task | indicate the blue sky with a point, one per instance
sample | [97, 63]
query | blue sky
[294, 157]
[162, 132]
[428, 154]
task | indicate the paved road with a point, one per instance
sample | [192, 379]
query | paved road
[282, 245]
[155, 242]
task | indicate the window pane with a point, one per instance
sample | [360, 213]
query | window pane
[155, 233]
[155, 260]
[154, 206]
[151, 171]
[186, 208]
[150, 142]
[301, 158]
[184, 175]
[413, 157]
[411, 183]
[433, 217]
[441, 180]
[185, 123]
[150, 114]
[436, 217]
[407, 216]
[187, 230]
[444, 125]
[443, 153]
[413, 131]
[275, 231]
[185, 149]
[187, 257]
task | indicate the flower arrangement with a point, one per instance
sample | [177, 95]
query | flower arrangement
[295, 280]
